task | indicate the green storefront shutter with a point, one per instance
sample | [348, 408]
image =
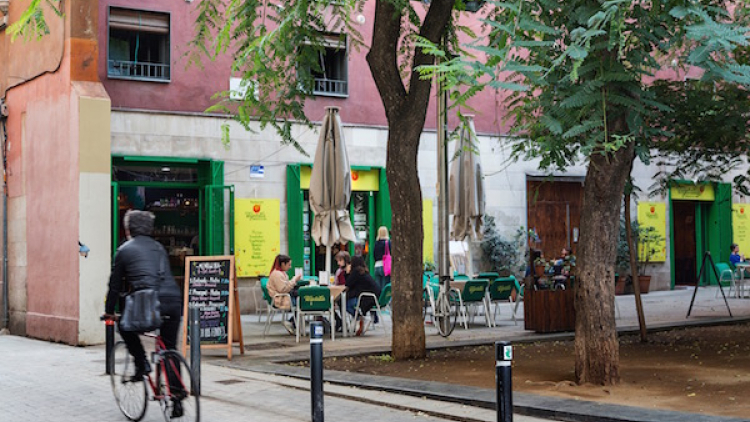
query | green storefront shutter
[383, 215]
[294, 199]
[219, 211]
[719, 228]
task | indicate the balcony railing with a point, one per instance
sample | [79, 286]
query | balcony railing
[138, 70]
[330, 87]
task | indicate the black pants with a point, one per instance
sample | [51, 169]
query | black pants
[168, 330]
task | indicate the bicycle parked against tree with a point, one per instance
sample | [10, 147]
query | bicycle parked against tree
[171, 384]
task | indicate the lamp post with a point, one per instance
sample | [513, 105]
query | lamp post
[442, 163]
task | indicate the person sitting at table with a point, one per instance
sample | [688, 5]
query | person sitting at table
[358, 281]
[279, 283]
[734, 256]
[343, 259]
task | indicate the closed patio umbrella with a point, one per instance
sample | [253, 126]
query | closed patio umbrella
[466, 187]
[331, 186]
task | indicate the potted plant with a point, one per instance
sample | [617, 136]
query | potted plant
[649, 242]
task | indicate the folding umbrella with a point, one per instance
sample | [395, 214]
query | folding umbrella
[331, 186]
[466, 187]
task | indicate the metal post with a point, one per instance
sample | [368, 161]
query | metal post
[316, 370]
[504, 388]
[194, 315]
[109, 333]
[442, 162]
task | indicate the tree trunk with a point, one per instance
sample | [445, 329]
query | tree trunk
[596, 348]
[405, 110]
[407, 233]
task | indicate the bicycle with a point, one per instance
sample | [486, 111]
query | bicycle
[444, 307]
[171, 385]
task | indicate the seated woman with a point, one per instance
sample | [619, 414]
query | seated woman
[358, 280]
[343, 259]
[734, 256]
[279, 283]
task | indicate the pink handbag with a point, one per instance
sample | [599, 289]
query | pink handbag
[387, 260]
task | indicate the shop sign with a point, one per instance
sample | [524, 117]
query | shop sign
[691, 192]
[362, 180]
[653, 214]
[257, 172]
[257, 235]
[741, 227]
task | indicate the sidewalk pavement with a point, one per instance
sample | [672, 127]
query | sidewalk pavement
[52, 382]
[41, 381]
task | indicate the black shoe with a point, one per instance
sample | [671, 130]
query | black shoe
[142, 371]
[177, 409]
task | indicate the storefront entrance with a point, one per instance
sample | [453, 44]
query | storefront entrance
[194, 211]
[369, 208]
[554, 212]
[685, 250]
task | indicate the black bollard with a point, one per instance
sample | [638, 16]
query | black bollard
[503, 358]
[194, 314]
[316, 370]
[109, 332]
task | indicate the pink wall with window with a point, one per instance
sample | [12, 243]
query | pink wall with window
[191, 87]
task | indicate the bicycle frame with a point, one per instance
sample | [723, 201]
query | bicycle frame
[158, 359]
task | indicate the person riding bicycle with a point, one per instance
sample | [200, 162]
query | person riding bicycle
[138, 262]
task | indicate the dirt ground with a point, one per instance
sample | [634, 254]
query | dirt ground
[699, 370]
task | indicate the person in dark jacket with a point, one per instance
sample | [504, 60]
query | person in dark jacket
[378, 251]
[138, 264]
[358, 281]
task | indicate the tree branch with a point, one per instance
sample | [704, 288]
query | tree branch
[383, 59]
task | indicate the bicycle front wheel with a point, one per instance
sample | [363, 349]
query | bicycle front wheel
[130, 394]
[181, 402]
[446, 313]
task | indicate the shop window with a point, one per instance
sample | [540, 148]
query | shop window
[138, 46]
[331, 76]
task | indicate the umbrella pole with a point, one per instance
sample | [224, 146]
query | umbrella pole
[442, 156]
[328, 263]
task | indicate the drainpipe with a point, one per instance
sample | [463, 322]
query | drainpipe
[4, 140]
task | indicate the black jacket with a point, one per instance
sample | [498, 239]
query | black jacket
[358, 283]
[379, 249]
[136, 266]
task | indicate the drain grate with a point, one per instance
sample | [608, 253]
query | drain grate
[268, 346]
[230, 381]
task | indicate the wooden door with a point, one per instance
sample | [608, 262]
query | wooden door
[683, 214]
[554, 211]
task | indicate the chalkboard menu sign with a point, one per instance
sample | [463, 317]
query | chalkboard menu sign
[210, 285]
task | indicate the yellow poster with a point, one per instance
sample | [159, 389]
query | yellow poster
[654, 215]
[741, 227]
[428, 228]
[257, 235]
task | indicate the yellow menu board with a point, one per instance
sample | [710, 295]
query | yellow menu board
[427, 244]
[653, 214]
[741, 227]
[257, 235]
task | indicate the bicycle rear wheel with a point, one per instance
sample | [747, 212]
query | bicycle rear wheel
[130, 394]
[180, 402]
[446, 313]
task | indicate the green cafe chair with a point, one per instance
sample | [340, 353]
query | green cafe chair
[500, 291]
[473, 294]
[519, 296]
[488, 275]
[726, 278]
[460, 277]
[316, 301]
[272, 308]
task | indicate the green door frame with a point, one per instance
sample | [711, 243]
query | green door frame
[713, 229]
[379, 205]
[210, 173]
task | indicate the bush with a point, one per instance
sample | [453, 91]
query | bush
[501, 254]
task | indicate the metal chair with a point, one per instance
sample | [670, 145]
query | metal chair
[380, 303]
[272, 308]
[726, 274]
[314, 300]
[473, 294]
[519, 296]
[500, 290]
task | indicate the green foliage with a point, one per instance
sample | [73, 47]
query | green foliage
[503, 254]
[276, 48]
[32, 23]
[622, 265]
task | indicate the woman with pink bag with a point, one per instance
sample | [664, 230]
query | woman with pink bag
[382, 254]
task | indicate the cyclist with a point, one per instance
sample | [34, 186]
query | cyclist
[138, 263]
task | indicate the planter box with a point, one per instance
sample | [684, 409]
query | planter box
[549, 311]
